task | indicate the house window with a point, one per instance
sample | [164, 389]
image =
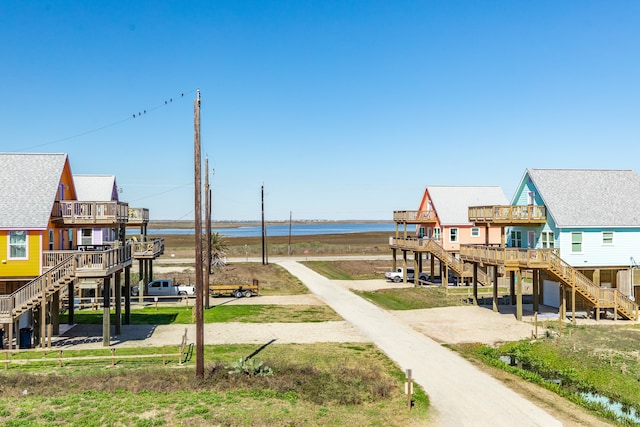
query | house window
[607, 237]
[51, 240]
[547, 240]
[475, 232]
[87, 236]
[436, 233]
[516, 239]
[17, 245]
[576, 242]
[421, 232]
[453, 235]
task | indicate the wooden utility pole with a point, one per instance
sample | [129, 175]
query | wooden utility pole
[198, 234]
[207, 194]
[289, 247]
[264, 231]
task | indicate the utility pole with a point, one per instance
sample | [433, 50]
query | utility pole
[264, 233]
[289, 247]
[207, 194]
[198, 235]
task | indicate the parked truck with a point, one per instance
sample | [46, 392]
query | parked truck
[165, 288]
[398, 275]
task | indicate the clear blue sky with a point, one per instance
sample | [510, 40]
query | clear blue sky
[343, 109]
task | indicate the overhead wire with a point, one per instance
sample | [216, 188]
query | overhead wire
[140, 113]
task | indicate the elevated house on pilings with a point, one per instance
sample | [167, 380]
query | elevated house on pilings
[440, 225]
[41, 261]
[145, 249]
[103, 188]
[575, 233]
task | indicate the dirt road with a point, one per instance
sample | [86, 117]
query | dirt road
[461, 394]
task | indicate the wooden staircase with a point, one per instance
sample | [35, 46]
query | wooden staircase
[432, 246]
[549, 261]
[595, 296]
[38, 290]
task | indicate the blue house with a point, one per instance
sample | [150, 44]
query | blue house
[574, 234]
[592, 219]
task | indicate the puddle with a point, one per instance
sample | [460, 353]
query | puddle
[623, 413]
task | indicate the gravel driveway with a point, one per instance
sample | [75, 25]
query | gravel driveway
[461, 395]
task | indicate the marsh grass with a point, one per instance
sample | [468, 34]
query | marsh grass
[602, 359]
[313, 384]
[181, 245]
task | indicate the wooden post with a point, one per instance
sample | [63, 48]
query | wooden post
[536, 290]
[127, 295]
[512, 286]
[55, 311]
[404, 266]
[475, 283]
[106, 312]
[43, 309]
[494, 279]
[518, 279]
[198, 234]
[71, 298]
[409, 388]
[118, 303]
[573, 304]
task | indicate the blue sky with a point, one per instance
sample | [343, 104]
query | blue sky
[342, 109]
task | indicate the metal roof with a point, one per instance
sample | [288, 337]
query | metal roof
[30, 185]
[589, 197]
[452, 203]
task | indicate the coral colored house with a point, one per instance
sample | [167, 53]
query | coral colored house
[451, 207]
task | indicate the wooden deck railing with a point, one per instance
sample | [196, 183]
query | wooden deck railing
[414, 216]
[508, 214]
[16, 303]
[151, 248]
[434, 247]
[138, 216]
[87, 263]
[76, 212]
[549, 259]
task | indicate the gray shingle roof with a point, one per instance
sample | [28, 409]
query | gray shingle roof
[30, 185]
[589, 197]
[96, 188]
[452, 203]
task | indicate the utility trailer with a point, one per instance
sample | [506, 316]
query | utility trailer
[237, 291]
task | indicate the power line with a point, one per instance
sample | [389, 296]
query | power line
[140, 113]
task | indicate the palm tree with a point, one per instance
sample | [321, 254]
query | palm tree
[219, 248]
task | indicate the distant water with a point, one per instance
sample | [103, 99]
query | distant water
[283, 230]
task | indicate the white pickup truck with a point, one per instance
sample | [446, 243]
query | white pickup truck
[398, 275]
[165, 288]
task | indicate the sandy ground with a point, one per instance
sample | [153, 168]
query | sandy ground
[451, 325]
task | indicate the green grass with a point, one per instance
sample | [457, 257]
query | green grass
[411, 298]
[223, 313]
[349, 270]
[602, 359]
[312, 384]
